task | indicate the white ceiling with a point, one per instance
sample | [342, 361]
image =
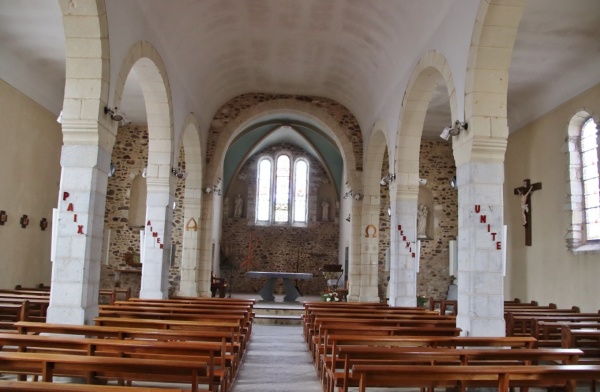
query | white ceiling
[357, 52]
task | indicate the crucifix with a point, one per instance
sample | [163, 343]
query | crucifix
[525, 194]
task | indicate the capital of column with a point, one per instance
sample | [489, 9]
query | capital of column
[480, 149]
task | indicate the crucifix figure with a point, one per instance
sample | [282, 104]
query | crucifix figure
[524, 193]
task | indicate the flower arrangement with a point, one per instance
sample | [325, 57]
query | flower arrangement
[422, 300]
[330, 296]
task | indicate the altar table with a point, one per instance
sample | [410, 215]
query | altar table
[291, 293]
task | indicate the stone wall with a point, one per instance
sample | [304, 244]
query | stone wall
[279, 247]
[130, 156]
[436, 165]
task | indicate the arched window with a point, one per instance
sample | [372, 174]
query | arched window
[583, 234]
[263, 192]
[282, 191]
[300, 191]
[589, 177]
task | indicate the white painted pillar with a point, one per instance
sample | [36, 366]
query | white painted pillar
[369, 243]
[403, 275]
[480, 242]
[81, 204]
[159, 215]
[191, 244]
[207, 234]
[354, 271]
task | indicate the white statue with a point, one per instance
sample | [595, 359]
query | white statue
[422, 221]
[325, 216]
[239, 203]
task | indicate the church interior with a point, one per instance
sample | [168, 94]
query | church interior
[424, 151]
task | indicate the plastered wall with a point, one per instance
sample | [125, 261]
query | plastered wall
[546, 271]
[30, 147]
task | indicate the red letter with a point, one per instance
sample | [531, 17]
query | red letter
[70, 207]
[498, 245]
[161, 246]
[66, 195]
[148, 224]
[408, 244]
[477, 208]
[79, 229]
[483, 219]
[489, 228]
[399, 227]
[74, 217]
[413, 255]
[403, 238]
[158, 240]
[493, 236]
[154, 234]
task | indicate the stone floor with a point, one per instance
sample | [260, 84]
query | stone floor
[277, 360]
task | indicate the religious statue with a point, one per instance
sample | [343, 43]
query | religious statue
[524, 205]
[239, 203]
[325, 216]
[422, 221]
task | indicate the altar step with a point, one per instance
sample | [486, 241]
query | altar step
[278, 314]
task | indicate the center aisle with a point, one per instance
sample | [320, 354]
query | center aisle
[277, 360]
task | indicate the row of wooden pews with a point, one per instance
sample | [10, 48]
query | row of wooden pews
[368, 345]
[553, 327]
[194, 341]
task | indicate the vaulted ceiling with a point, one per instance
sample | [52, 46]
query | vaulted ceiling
[357, 52]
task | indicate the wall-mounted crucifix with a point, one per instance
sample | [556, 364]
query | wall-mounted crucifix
[525, 194]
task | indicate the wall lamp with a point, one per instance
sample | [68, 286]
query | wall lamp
[387, 179]
[179, 173]
[214, 189]
[454, 130]
[355, 195]
[117, 116]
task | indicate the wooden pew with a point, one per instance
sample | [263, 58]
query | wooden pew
[523, 323]
[196, 351]
[461, 377]
[104, 368]
[10, 313]
[24, 386]
[334, 341]
[230, 347]
[354, 355]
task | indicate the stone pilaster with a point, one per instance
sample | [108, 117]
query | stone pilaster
[157, 242]
[480, 242]
[403, 276]
[369, 257]
[191, 244]
[76, 268]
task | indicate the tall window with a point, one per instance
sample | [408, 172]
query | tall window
[300, 190]
[282, 189]
[589, 176]
[263, 196]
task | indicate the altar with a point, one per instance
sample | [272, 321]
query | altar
[291, 293]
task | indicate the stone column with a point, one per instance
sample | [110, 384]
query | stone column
[191, 244]
[403, 275]
[207, 234]
[369, 255]
[157, 244]
[480, 242]
[354, 264]
[81, 204]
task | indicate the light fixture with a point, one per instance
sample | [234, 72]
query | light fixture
[358, 196]
[348, 218]
[114, 113]
[181, 174]
[112, 169]
[423, 181]
[387, 179]
[59, 119]
[214, 189]
[454, 130]
[453, 182]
